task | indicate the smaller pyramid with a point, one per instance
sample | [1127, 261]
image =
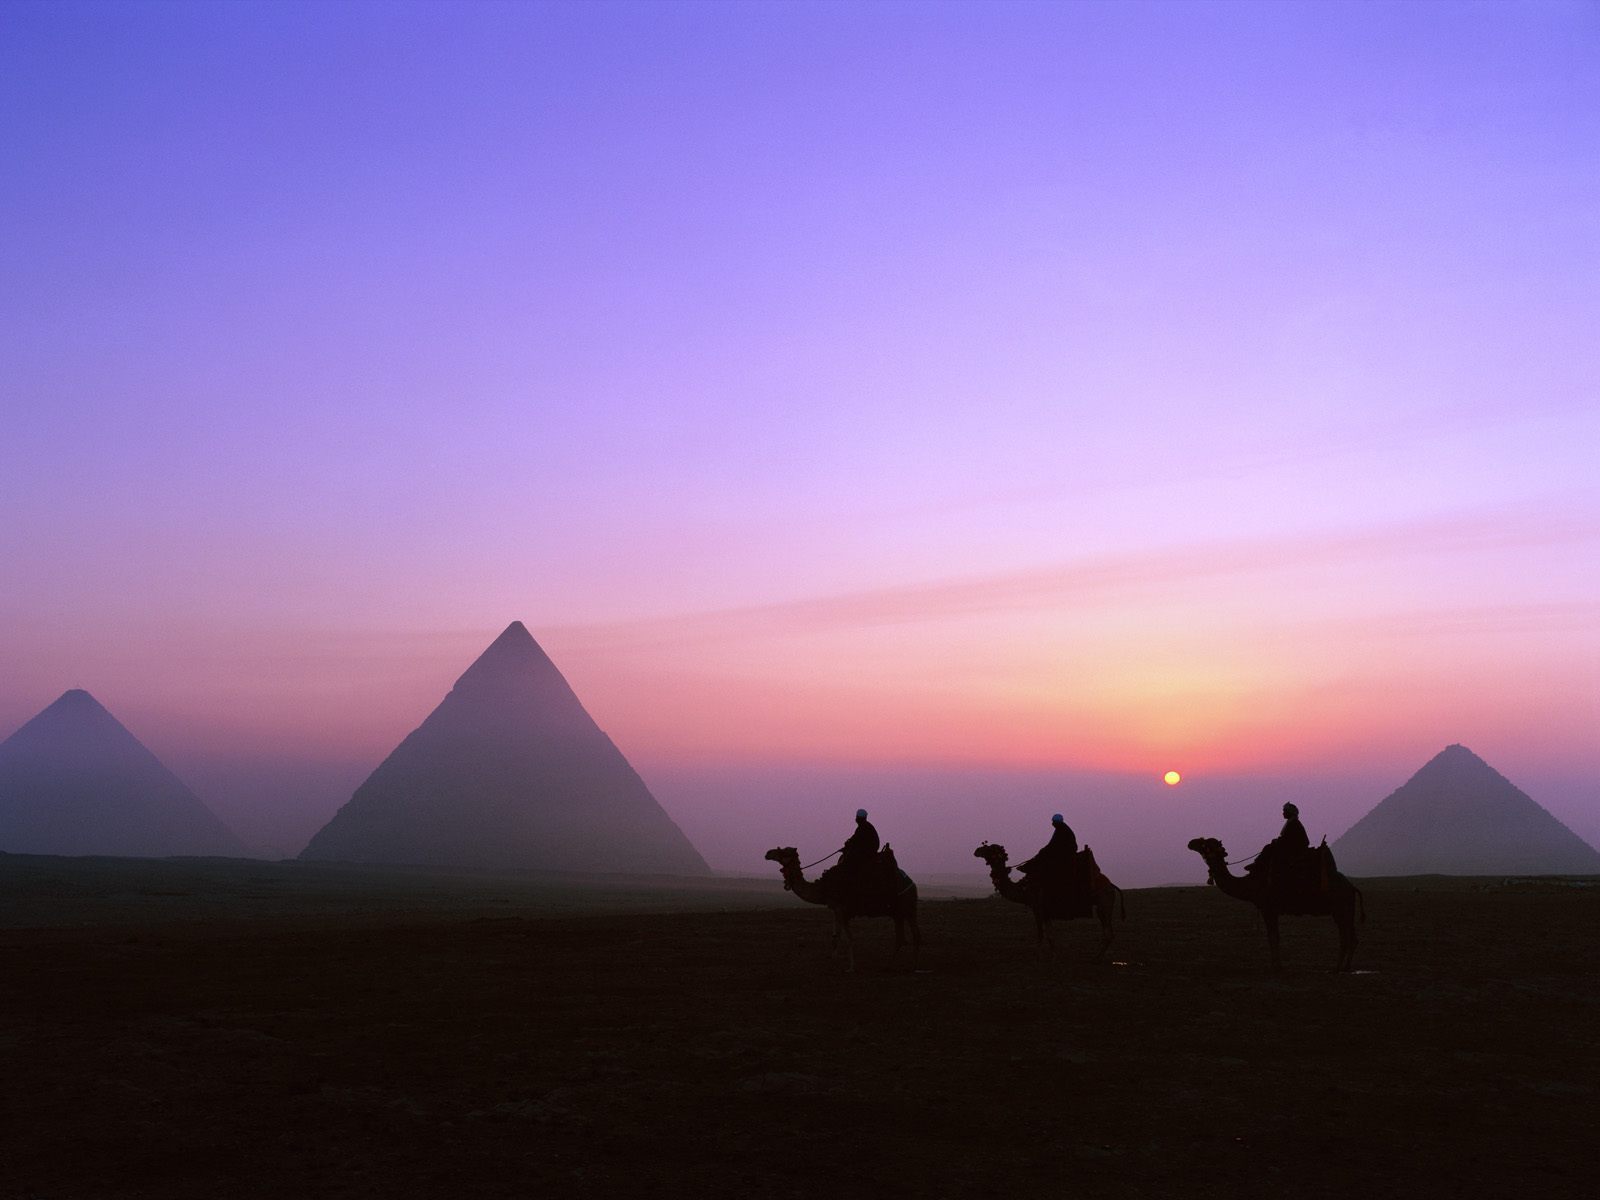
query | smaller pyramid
[1459, 816]
[74, 781]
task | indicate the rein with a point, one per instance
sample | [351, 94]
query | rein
[1237, 861]
[823, 859]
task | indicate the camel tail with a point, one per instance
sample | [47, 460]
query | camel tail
[1361, 904]
[1122, 899]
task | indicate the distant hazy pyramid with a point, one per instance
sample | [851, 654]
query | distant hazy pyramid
[74, 781]
[509, 771]
[1459, 816]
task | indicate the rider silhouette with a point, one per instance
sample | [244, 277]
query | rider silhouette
[860, 848]
[1294, 836]
[858, 859]
[1282, 851]
[1058, 856]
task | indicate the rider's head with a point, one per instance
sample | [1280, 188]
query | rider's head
[1290, 811]
[1057, 819]
[861, 814]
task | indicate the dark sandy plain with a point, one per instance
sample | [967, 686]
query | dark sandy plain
[202, 1028]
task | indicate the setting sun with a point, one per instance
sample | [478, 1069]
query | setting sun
[1172, 777]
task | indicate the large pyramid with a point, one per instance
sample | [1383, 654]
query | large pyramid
[508, 771]
[74, 781]
[1459, 816]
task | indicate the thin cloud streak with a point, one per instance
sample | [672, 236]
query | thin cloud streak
[1541, 618]
[1075, 583]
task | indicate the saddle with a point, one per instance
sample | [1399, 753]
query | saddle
[870, 886]
[1295, 872]
[1068, 893]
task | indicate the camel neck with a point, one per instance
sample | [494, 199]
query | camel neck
[1000, 876]
[1229, 883]
[802, 887]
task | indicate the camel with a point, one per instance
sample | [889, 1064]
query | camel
[1339, 899]
[902, 907]
[1103, 895]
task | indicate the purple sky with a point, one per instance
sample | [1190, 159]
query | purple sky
[975, 409]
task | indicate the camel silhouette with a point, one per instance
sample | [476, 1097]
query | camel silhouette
[1339, 899]
[902, 906]
[1048, 906]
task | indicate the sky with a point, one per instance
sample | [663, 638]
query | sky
[969, 410]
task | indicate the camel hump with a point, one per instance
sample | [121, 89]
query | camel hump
[1092, 875]
[1328, 867]
[893, 872]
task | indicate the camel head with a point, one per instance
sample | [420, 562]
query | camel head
[784, 856]
[788, 860]
[1214, 853]
[992, 854]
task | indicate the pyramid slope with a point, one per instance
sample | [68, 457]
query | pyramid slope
[73, 780]
[1459, 816]
[508, 771]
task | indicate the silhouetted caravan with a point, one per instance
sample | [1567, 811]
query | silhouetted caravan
[1087, 892]
[73, 780]
[893, 895]
[508, 771]
[1324, 892]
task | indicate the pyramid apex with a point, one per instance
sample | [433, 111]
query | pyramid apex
[512, 655]
[76, 700]
[514, 637]
[1456, 751]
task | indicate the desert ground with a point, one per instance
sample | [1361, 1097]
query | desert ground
[183, 1029]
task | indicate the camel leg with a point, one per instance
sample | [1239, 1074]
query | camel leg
[1271, 919]
[1346, 921]
[907, 923]
[849, 945]
[1103, 911]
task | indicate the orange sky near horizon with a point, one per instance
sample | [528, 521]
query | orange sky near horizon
[1136, 674]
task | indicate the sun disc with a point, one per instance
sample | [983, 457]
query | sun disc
[1172, 777]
